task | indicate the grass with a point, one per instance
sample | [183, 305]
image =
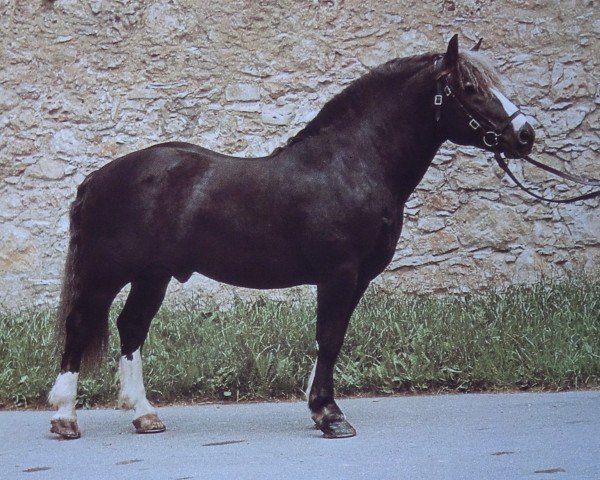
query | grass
[544, 336]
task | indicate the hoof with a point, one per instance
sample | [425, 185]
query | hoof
[67, 429]
[337, 429]
[149, 423]
[333, 425]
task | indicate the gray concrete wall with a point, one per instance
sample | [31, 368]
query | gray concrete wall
[82, 82]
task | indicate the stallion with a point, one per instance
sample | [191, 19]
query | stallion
[326, 209]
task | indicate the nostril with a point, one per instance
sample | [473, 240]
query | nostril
[525, 136]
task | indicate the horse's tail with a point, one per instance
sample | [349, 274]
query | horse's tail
[77, 328]
[68, 295]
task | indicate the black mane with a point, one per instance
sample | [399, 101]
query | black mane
[473, 67]
[354, 95]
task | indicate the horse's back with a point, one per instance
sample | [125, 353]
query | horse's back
[180, 208]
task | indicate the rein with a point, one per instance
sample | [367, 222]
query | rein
[491, 135]
[574, 178]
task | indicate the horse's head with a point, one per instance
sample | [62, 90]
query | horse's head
[471, 109]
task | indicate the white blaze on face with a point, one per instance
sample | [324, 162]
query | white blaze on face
[132, 393]
[520, 120]
[63, 395]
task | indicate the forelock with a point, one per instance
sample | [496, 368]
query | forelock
[477, 68]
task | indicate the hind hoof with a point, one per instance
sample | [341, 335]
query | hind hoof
[67, 429]
[149, 423]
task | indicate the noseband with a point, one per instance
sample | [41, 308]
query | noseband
[491, 135]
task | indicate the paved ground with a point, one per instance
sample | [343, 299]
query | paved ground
[502, 436]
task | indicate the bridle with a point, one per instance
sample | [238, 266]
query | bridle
[491, 135]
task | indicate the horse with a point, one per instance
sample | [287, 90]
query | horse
[325, 209]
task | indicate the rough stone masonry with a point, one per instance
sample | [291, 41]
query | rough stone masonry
[82, 82]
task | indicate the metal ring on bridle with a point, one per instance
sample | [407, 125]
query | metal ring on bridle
[490, 139]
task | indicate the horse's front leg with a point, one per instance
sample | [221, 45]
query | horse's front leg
[336, 301]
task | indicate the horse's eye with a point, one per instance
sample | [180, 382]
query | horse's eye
[470, 89]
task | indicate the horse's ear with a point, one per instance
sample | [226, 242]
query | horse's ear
[451, 56]
[477, 45]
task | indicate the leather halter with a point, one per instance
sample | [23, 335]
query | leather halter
[491, 134]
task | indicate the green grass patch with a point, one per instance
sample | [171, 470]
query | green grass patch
[543, 336]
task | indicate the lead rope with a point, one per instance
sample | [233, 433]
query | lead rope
[583, 181]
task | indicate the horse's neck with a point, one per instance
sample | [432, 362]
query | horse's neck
[397, 136]
[414, 136]
[412, 157]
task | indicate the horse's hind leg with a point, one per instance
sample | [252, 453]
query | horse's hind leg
[133, 323]
[85, 322]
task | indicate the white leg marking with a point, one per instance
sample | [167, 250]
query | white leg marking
[63, 395]
[132, 393]
[510, 108]
[311, 378]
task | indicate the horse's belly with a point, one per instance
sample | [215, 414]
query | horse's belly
[250, 266]
[253, 276]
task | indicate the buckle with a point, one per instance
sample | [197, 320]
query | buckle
[474, 124]
[437, 100]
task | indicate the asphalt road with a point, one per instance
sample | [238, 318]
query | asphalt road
[496, 436]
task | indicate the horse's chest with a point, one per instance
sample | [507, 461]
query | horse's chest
[383, 245]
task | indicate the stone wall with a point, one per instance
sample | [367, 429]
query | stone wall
[82, 82]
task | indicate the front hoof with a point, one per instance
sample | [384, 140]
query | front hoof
[339, 428]
[67, 429]
[149, 423]
[332, 423]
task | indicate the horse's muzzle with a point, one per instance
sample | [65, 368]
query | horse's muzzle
[520, 143]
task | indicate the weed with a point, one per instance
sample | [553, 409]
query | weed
[546, 335]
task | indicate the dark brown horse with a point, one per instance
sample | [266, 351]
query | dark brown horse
[326, 209]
